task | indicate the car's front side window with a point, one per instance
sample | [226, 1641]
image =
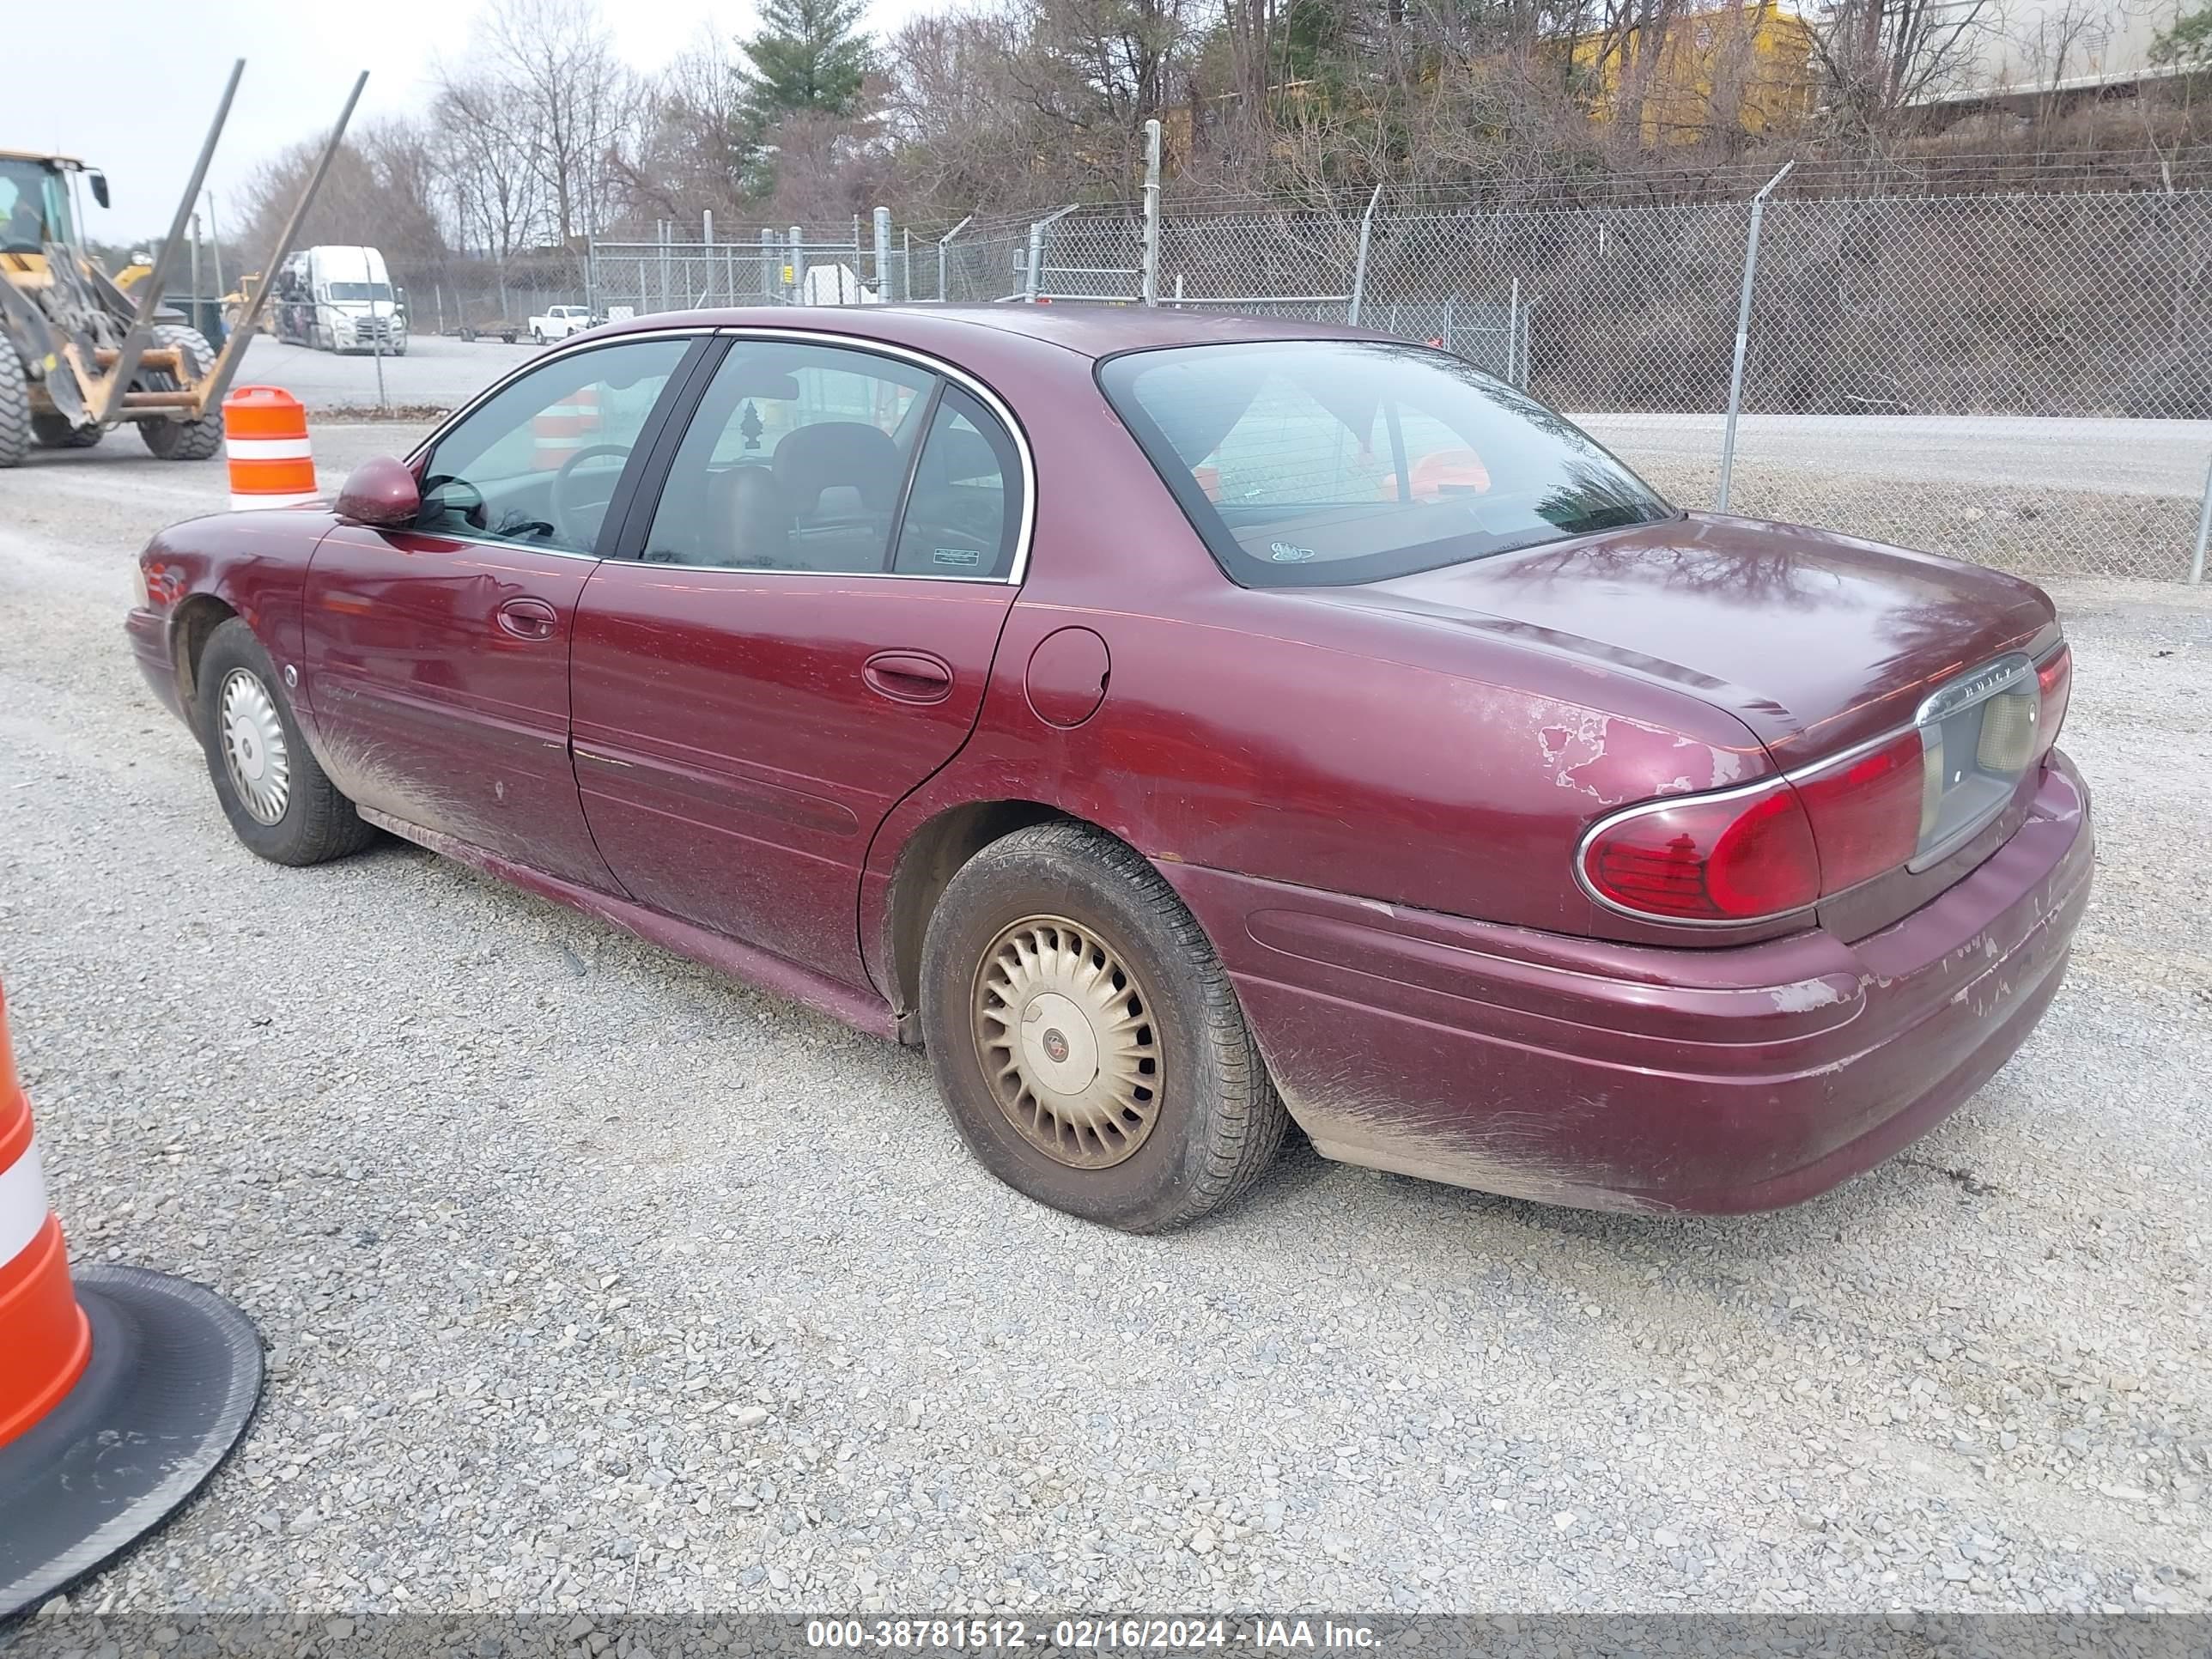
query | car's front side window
[798, 459]
[1308, 463]
[537, 462]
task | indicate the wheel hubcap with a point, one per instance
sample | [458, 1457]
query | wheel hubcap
[254, 753]
[1066, 1036]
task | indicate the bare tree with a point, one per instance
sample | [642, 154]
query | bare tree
[1880, 58]
[576, 102]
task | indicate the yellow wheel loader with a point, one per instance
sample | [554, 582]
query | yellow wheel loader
[80, 352]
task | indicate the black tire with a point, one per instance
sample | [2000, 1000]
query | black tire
[538, 337]
[196, 439]
[14, 404]
[316, 823]
[52, 432]
[1218, 1121]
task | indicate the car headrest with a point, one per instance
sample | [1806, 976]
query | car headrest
[833, 453]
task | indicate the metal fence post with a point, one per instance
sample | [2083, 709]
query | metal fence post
[883, 217]
[591, 280]
[944, 260]
[1359, 269]
[667, 254]
[1512, 330]
[770, 289]
[706, 247]
[798, 266]
[1035, 283]
[1743, 334]
[2203, 530]
[1149, 287]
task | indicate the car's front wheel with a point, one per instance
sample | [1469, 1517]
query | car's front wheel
[1086, 1038]
[279, 801]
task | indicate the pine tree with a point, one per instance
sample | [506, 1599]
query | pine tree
[807, 57]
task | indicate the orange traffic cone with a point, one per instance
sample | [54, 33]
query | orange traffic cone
[118, 1396]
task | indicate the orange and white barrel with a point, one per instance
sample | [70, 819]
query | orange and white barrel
[560, 430]
[265, 438]
[45, 1339]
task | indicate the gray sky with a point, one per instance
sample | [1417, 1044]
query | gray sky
[168, 68]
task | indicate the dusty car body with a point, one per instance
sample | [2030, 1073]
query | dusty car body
[1395, 813]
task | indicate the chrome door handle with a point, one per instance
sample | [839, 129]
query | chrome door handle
[529, 619]
[909, 676]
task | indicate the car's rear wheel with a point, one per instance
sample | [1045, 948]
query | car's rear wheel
[278, 800]
[1086, 1040]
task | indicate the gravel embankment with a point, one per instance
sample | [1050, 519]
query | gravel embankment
[593, 1280]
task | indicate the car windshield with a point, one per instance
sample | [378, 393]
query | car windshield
[1322, 462]
[360, 291]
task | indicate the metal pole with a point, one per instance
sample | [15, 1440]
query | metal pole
[769, 289]
[883, 218]
[1512, 330]
[1036, 250]
[905, 263]
[1359, 270]
[376, 337]
[707, 246]
[215, 248]
[798, 266]
[149, 295]
[2203, 530]
[1149, 288]
[234, 347]
[1743, 335]
[591, 274]
[1178, 290]
[665, 255]
[195, 270]
[943, 258]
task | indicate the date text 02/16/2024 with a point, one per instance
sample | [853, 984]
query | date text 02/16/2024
[1083, 1635]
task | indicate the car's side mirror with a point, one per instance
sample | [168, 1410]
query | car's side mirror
[380, 493]
[100, 188]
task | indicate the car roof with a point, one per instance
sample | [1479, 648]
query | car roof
[1090, 330]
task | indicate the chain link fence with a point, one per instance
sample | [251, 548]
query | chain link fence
[2022, 379]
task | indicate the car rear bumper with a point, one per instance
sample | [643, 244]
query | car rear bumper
[147, 631]
[1579, 1072]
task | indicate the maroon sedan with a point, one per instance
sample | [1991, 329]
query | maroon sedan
[1181, 725]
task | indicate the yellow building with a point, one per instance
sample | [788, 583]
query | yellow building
[1703, 73]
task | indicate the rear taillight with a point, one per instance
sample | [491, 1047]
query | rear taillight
[1780, 847]
[1866, 813]
[2054, 683]
[1724, 858]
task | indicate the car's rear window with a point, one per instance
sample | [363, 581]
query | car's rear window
[1319, 463]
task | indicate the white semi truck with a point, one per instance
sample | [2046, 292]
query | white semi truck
[340, 299]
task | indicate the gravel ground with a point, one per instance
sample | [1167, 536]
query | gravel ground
[594, 1281]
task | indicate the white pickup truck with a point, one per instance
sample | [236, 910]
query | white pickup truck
[559, 322]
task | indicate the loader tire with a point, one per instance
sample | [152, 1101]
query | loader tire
[196, 439]
[52, 432]
[14, 406]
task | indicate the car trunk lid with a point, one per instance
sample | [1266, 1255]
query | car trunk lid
[1818, 643]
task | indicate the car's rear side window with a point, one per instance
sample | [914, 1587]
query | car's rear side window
[1325, 462]
[964, 510]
